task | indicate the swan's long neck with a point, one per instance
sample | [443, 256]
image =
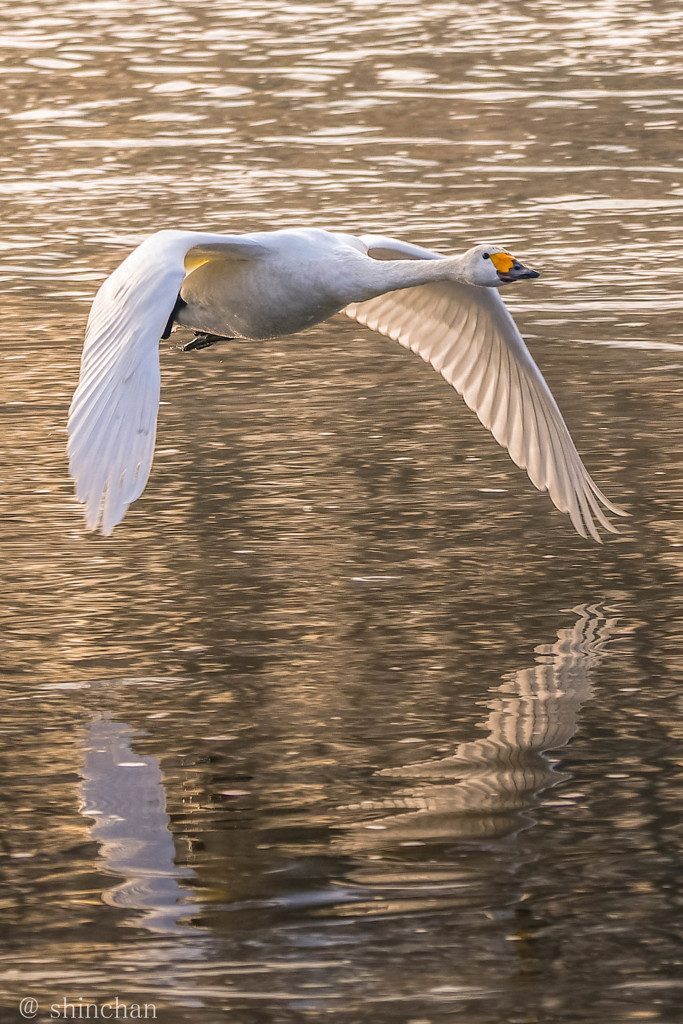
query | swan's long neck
[392, 275]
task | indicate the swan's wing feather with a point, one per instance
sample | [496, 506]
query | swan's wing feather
[112, 420]
[468, 335]
[382, 247]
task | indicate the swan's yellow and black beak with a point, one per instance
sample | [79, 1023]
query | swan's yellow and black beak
[509, 269]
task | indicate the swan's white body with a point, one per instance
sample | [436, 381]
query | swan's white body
[268, 284]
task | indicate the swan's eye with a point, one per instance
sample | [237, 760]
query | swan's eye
[486, 256]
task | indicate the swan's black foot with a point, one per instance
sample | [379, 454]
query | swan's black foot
[203, 340]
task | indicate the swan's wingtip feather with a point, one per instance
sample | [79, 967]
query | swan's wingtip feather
[92, 512]
[619, 511]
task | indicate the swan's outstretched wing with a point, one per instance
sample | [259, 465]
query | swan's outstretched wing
[467, 334]
[112, 420]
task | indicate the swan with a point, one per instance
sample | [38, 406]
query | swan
[267, 284]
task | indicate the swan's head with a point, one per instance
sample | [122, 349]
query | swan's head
[491, 265]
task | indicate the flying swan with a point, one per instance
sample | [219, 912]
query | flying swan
[273, 283]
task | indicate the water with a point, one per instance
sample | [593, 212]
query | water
[345, 722]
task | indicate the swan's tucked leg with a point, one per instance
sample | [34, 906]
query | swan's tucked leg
[203, 340]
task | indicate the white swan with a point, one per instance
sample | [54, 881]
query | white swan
[267, 284]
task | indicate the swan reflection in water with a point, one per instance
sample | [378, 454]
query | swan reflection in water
[123, 792]
[488, 786]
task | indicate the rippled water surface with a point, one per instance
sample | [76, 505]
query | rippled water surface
[345, 722]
